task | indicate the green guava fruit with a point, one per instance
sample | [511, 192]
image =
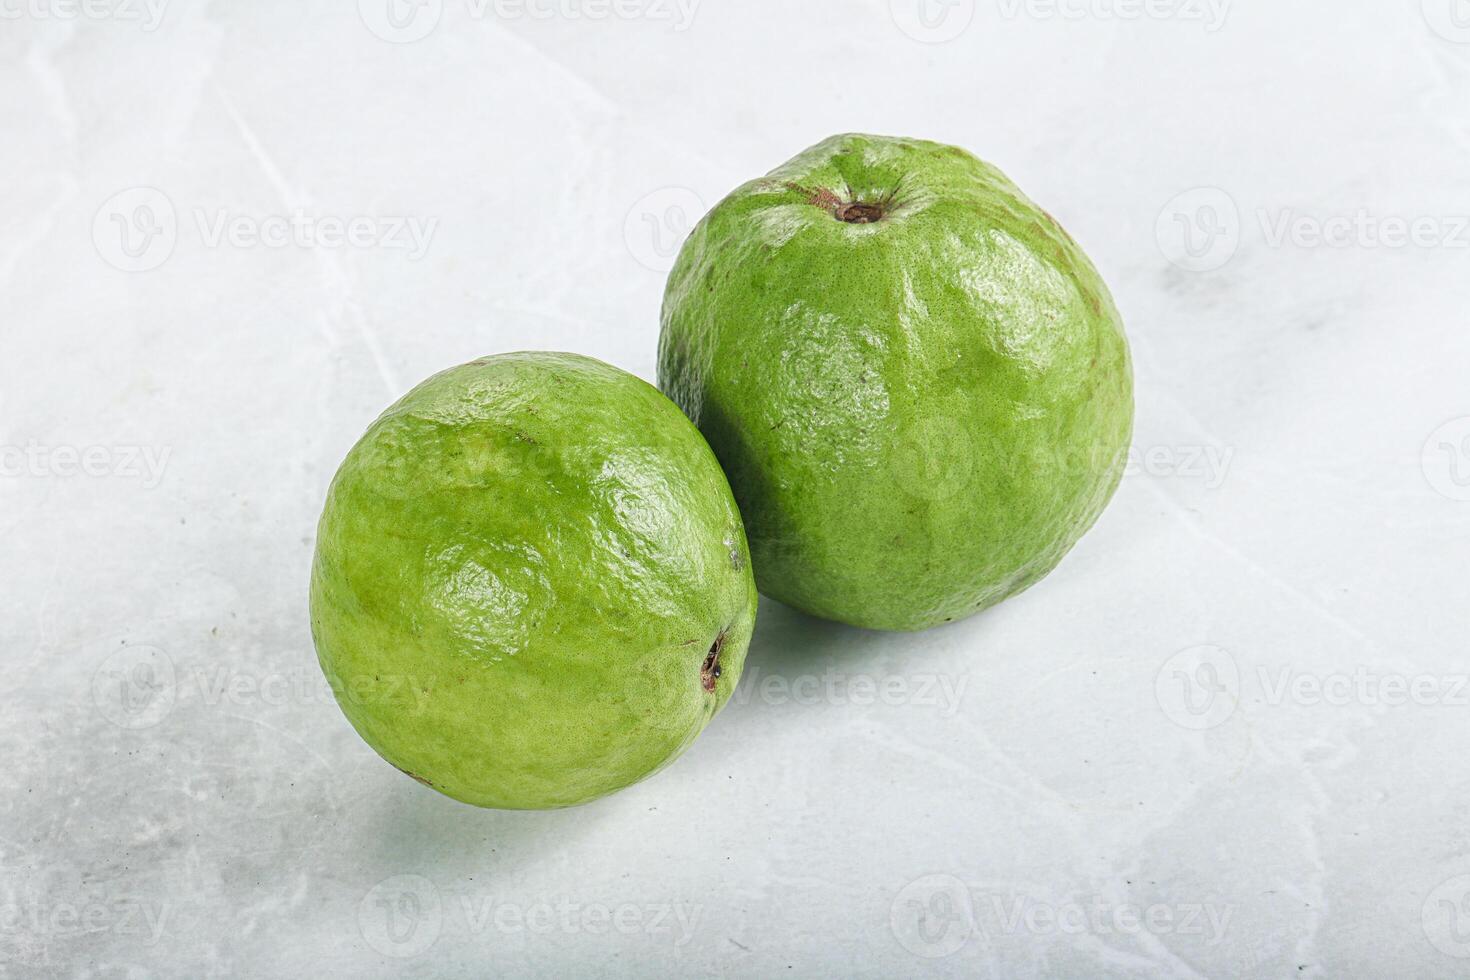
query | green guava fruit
[917, 383]
[531, 585]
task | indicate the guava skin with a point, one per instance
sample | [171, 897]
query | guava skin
[917, 383]
[531, 585]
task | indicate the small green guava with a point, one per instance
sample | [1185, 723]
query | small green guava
[531, 586]
[917, 383]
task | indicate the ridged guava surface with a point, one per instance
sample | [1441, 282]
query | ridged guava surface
[917, 383]
[531, 585]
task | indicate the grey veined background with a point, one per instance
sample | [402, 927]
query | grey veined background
[1227, 738]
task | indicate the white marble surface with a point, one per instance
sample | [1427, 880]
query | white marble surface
[1227, 738]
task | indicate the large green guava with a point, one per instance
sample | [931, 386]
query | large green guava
[531, 585]
[917, 383]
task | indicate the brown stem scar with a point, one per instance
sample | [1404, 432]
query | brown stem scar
[859, 213]
[852, 212]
